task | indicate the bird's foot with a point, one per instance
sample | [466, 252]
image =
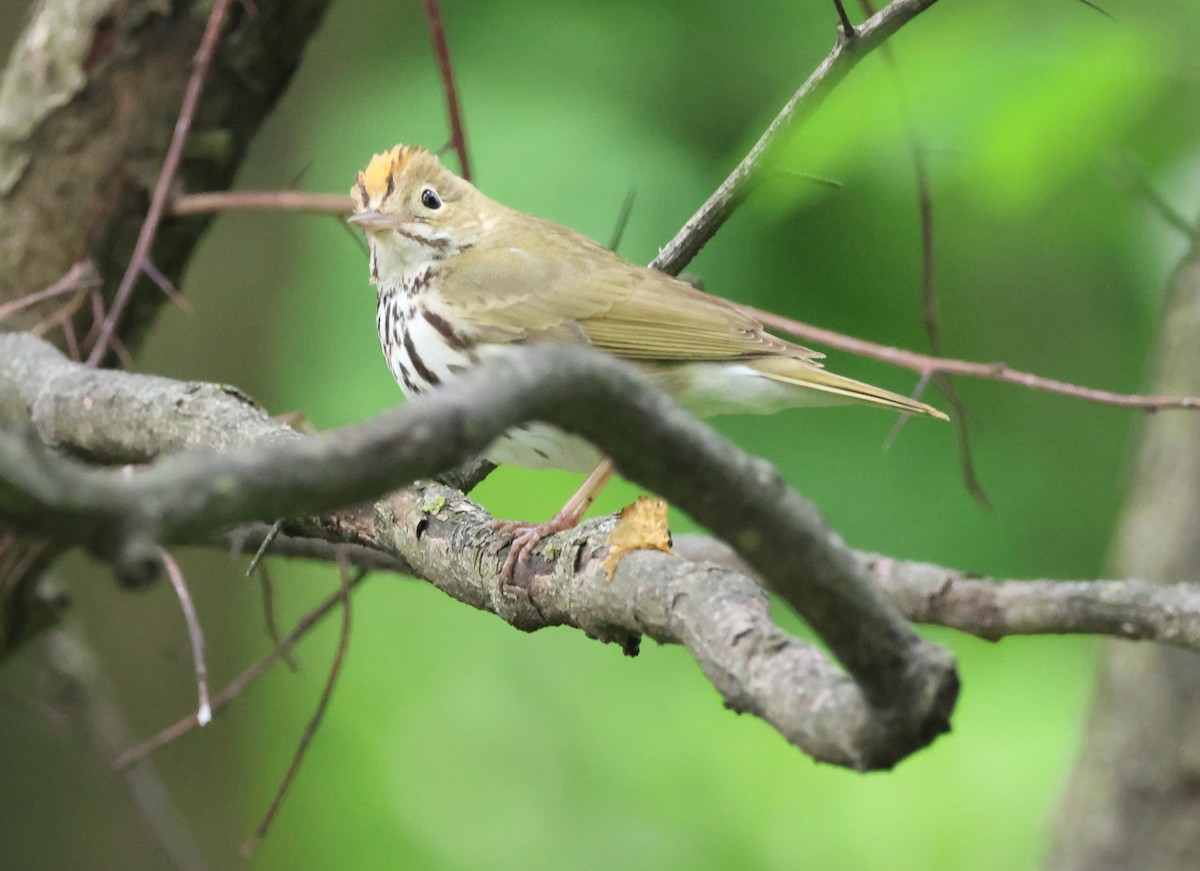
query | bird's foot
[526, 536]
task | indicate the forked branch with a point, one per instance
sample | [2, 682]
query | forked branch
[903, 689]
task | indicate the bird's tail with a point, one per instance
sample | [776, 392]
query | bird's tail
[807, 374]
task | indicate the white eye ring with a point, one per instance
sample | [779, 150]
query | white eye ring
[430, 199]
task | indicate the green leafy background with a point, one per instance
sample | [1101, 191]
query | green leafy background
[456, 742]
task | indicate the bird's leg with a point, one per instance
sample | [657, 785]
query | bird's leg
[526, 535]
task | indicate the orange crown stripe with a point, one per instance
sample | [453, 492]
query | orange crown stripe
[374, 178]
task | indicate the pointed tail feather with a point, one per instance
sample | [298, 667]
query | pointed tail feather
[804, 374]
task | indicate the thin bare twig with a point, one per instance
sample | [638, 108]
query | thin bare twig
[145, 241]
[82, 274]
[122, 351]
[622, 221]
[195, 634]
[458, 136]
[844, 56]
[314, 723]
[1093, 6]
[927, 364]
[929, 301]
[823, 181]
[17, 554]
[268, 605]
[262, 548]
[920, 164]
[277, 201]
[844, 20]
[289, 547]
[1132, 177]
[966, 459]
[62, 316]
[164, 284]
[235, 688]
[894, 433]
[71, 340]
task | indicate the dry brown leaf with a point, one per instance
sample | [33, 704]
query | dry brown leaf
[641, 526]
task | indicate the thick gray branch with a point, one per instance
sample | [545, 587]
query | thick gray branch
[441, 523]
[74, 407]
[908, 686]
[988, 608]
[992, 608]
[720, 616]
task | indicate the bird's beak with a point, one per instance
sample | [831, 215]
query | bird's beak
[372, 221]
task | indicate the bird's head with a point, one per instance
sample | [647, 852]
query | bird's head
[414, 211]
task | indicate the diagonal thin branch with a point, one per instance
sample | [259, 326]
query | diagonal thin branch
[846, 54]
[927, 364]
[267, 591]
[920, 164]
[314, 722]
[458, 136]
[81, 275]
[929, 302]
[618, 233]
[1130, 175]
[844, 22]
[236, 687]
[195, 635]
[158, 202]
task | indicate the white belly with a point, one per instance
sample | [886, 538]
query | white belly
[540, 446]
[710, 389]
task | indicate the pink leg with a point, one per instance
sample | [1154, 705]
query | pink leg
[527, 535]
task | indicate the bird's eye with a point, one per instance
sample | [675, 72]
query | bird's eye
[430, 199]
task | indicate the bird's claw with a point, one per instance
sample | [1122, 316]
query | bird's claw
[525, 537]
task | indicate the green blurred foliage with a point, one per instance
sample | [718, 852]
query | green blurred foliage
[455, 742]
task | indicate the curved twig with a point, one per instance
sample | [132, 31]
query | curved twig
[926, 364]
[141, 253]
[458, 136]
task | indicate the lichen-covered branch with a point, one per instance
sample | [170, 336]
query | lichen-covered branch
[453, 546]
[993, 608]
[904, 689]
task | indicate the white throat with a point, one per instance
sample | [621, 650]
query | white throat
[398, 261]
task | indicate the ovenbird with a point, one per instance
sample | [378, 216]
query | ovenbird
[459, 274]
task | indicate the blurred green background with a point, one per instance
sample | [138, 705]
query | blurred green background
[456, 742]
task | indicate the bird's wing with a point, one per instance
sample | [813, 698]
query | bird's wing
[511, 294]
